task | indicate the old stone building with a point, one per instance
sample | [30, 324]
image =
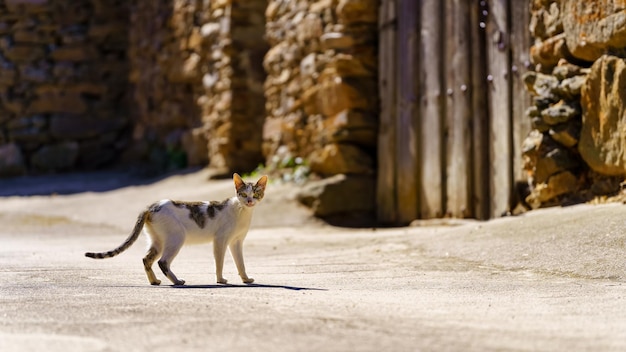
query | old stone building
[226, 83]
[232, 84]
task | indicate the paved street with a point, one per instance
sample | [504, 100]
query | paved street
[551, 280]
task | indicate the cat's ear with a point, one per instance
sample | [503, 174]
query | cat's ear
[238, 181]
[262, 182]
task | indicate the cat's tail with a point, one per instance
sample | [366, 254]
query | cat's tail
[129, 241]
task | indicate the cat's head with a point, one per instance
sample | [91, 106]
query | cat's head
[249, 193]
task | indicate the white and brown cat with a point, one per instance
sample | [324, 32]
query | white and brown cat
[170, 224]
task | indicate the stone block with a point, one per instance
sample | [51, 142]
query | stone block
[340, 195]
[569, 88]
[566, 134]
[25, 53]
[557, 185]
[27, 6]
[541, 85]
[336, 94]
[57, 100]
[195, 144]
[602, 141]
[336, 41]
[560, 112]
[345, 65]
[32, 37]
[335, 159]
[350, 126]
[11, 161]
[594, 27]
[357, 11]
[74, 53]
[55, 157]
[546, 21]
[543, 157]
[78, 127]
[547, 53]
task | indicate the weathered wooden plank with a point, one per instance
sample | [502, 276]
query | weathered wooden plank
[386, 200]
[498, 73]
[458, 109]
[407, 126]
[480, 117]
[520, 54]
[431, 109]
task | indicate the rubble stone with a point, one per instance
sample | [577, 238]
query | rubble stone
[578, 90]
[602, 142]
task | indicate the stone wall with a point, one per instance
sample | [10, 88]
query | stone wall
[322, 96]
[577, 149]
[63, 73]
[233, 105]
[164, 54]
[197, 82]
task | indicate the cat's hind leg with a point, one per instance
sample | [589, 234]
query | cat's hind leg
[148, 260]
[236, 249]
[168, 236]
[168, 256]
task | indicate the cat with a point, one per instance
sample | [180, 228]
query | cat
[169, 224]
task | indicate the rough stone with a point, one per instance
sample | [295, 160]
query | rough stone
[570, 87]
[560, 112]
[58, 101]
[566, 70]
[546, 21]
[543, 157]
[342, 159]
[557, 185]
[11, 161]
[350, 126]
[194, 143]
[578, 112]
[55, 157]
[340, 196]
[25, 53]
[80, 127]
[336, 41]
[566, 134]
[541, 84]
[594, 27]
[357, 11]
[549, 52]
[602, 140]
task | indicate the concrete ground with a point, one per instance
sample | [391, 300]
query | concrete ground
[550, 280]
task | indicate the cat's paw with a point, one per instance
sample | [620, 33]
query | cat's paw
[222, 281]
[179, 282]
[248, 280]
[155, 282]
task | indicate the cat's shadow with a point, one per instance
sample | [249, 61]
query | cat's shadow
[285, 287]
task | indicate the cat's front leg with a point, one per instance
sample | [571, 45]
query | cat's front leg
[236, 249]
[219, 251]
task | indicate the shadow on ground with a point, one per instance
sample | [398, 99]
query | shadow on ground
[79, 182]
[292, 288]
